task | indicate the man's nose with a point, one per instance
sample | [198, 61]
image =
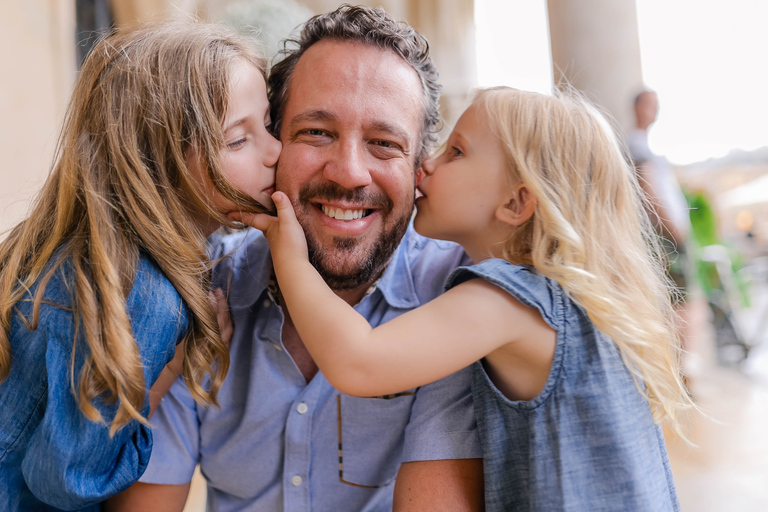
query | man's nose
[347, 166]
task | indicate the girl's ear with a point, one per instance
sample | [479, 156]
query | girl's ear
[519, 208]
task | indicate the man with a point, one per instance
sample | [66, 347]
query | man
[356, 109]
[657, 177]
[669, 206]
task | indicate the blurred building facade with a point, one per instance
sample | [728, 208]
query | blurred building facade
[595, 48]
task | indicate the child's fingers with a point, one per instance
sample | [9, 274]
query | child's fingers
[260, 221]
[263, 221]
[284, 208]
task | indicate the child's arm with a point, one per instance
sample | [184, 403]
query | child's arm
[454, 330]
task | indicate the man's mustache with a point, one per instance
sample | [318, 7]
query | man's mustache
[330, 191]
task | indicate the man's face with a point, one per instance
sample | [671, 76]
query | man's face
[350, 133]
[647, 108]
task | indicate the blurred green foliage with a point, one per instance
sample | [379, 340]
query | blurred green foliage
[704, 233]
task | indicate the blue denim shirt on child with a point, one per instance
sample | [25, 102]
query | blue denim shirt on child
[280, 443]
[51, 455]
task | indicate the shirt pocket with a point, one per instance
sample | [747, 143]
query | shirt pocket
[371, 433]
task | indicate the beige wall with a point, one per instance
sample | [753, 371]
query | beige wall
[38, 63]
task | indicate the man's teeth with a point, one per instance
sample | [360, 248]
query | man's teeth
[339, 214]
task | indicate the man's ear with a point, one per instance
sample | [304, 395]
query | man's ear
[519, 208]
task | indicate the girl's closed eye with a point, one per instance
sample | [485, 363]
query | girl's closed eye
[238, 143]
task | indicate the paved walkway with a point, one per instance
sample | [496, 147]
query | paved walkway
[728, 470]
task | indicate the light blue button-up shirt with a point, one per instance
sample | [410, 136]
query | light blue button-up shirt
[278, 443]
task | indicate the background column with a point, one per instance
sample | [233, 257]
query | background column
[596, 48]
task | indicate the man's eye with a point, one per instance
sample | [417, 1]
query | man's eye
[384, 144]
[315, 131]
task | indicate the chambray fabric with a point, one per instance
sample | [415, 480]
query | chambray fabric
[51, 456]
[275, 442]
[588, 441]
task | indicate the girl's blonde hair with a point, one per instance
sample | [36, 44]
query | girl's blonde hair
[590, 232]
[120, 185]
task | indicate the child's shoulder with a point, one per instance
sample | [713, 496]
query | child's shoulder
[153, 293]
[500, 272]
[521, 281]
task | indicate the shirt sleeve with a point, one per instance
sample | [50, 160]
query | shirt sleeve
[175, 428]
[442, 424]
[71, 461]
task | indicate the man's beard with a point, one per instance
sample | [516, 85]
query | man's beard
[372, 263]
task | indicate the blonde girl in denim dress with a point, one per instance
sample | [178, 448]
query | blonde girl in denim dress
[565, 315]
[104, 288]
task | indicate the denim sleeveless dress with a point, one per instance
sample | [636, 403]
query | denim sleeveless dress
[588, 442]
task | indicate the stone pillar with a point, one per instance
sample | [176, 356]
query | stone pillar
[449, 26]
[596, 48]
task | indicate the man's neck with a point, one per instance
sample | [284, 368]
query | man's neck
[292, 341]
[352, 297]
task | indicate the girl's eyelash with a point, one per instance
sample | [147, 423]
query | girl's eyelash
[237, 143]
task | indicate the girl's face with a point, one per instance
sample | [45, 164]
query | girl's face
[250, 152]
[463, 187]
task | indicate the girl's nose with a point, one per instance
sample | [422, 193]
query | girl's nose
[272, 151]
[428, 167]
[419, 175]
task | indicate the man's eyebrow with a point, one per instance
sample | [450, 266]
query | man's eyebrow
[313, 115]
[394, 129]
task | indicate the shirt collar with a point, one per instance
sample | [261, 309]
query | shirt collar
[244, 268]
[397, 283]
[247, 269]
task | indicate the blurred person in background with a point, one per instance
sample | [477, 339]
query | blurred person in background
[668, 206]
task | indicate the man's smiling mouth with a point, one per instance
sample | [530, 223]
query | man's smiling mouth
[340, 214]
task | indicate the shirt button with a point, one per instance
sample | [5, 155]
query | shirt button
[278, 347]
[266, 303]
[296, 481]
[302, 408]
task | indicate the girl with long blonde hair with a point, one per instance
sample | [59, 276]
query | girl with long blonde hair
[104, 288]
[566, 308]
